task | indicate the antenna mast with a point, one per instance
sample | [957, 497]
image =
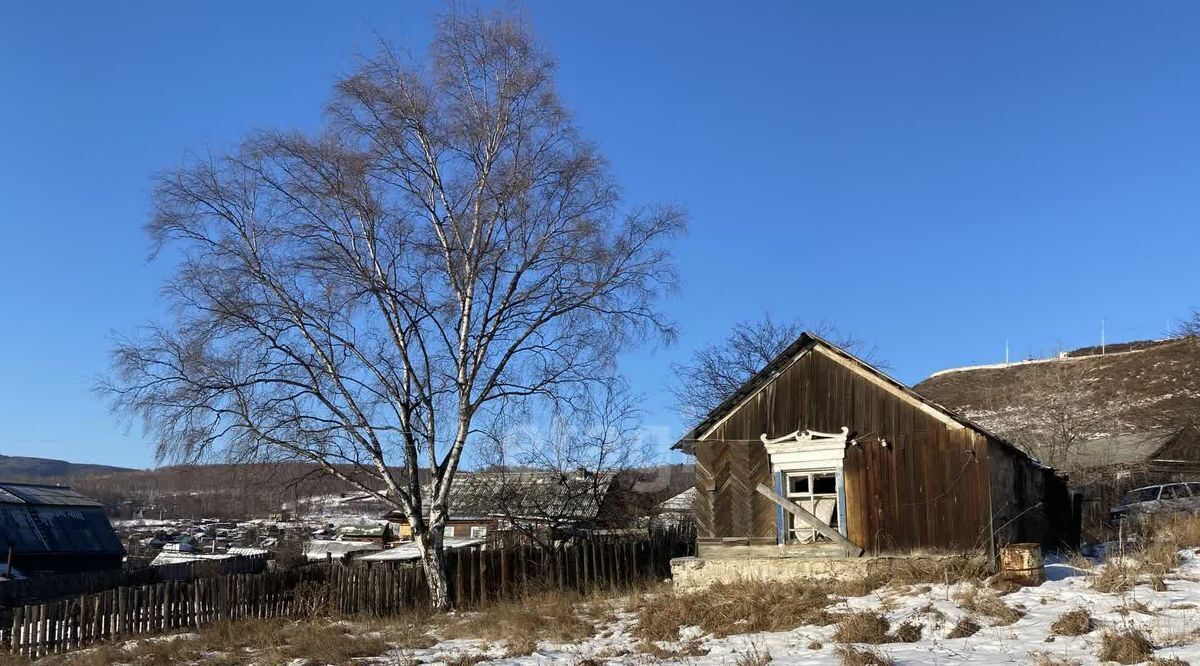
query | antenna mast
[1101, 337]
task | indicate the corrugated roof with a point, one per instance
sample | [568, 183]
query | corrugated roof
[56, 529]
[27, 493]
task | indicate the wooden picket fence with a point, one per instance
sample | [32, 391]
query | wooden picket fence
[49, 587]
[476, 576]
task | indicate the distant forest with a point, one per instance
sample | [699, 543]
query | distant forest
[201, 491]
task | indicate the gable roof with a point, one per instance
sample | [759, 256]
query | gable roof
[32, 494]
[1127, 449]
[802, 345]
[37, 519]
[526, 493]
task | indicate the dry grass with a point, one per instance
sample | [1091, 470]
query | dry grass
[1157, 555]
[1077, 560]
[681, 651]
[1075, 622]
[464, 659]
[967, 626]
[227, 643]
[1128, 646]
[755, 656]
[1115, 577]
[734, 608]
[914, 572]
[1047, 659]
[863, 627]
[1134, 606]
[907, 633]
[523, 622]
[849, 655]
[986, 602]
[1168, 661]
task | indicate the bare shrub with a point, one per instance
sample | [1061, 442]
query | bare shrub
[967, 626]
[312, 599]
[1075, 622]
[863, 627]
[849, 655]
[982, 601]
[464, 659]
[734, 608]
[755, 656]
[1115, 577]
[906, 633]
[1128, 646]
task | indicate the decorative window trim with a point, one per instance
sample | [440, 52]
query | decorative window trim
[807, 452]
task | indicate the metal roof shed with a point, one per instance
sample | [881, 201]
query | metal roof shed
[55, 529]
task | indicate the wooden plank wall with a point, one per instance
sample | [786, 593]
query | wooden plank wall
[477, 576]
[928, 489]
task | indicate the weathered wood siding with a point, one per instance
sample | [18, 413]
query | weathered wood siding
[928, 489]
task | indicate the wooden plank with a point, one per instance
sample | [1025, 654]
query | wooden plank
[825, 530]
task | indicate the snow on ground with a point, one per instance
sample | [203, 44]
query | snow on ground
[1170, 617]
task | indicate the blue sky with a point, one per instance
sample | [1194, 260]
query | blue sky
[934, 177]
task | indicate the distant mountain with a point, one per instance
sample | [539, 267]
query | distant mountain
[47, 470]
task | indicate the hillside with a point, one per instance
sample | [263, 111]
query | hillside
[48, 470]
[1079, 395]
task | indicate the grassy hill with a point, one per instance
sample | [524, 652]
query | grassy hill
[1083, 394]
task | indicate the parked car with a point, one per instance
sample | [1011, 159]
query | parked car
[1160, 499]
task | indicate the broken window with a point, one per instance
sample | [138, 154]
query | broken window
[816, 493]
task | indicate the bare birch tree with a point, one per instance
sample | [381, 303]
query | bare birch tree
[573, 469]
[1188, 327]
[715, 371]
[369, 298]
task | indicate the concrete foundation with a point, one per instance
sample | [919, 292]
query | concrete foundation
[697, 572]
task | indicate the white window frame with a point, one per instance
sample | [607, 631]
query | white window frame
[448, 531]
[478, 531]
[799, 531]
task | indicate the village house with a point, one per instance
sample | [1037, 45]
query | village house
[821, 455]
[559, 504]
[1106, 468]
[53, 529]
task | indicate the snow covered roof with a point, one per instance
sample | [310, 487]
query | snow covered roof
[317, 550]
[681, 503]
[409, 551]
[165, 557]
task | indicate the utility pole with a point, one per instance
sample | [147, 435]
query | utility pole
[1006, 351]
[1102, 337]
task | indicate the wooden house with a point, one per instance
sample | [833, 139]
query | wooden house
[822, 454]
